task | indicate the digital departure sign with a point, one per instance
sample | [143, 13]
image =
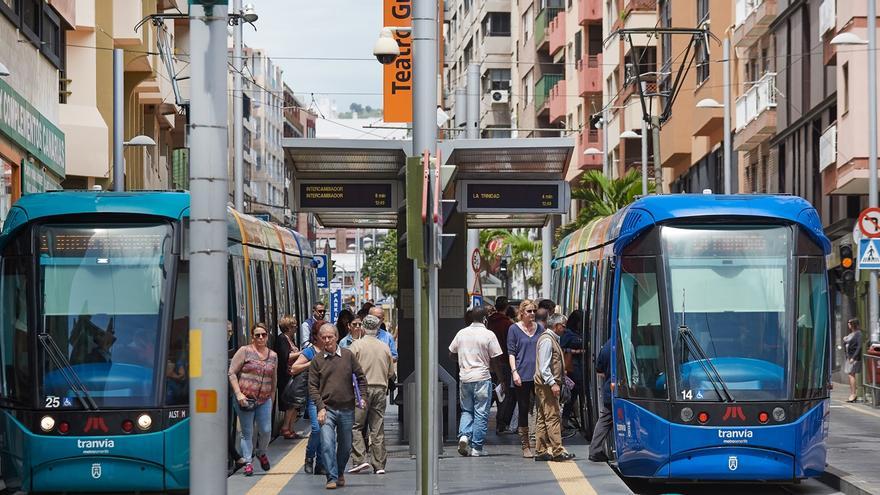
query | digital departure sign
[513, 196]
[346, 196]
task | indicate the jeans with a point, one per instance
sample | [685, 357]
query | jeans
[313, 448]
[336, 441]
[476, 400]
[505, 408]
[262, 414]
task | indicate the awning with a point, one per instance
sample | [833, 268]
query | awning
[516, 159]
[87, 147]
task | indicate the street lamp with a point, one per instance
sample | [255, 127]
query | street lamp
[140, 140]
[592, 151]
[239, 15]
[844, 39]
[3, 70]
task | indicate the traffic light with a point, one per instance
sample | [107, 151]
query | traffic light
[847, 268]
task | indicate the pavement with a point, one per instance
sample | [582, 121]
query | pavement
[853, 446]
[503, 471]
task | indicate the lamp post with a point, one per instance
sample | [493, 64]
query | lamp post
[246, 15]
[852, 39]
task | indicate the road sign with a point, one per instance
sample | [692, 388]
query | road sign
[476, 261]
[869, 222]
[321, 274]
[487, 196]
[351, 196]
[335, 304]
[869, 254]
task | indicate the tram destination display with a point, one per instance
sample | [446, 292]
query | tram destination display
[349, 196]
[513, 196]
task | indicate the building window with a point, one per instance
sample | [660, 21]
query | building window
[578, 45]
[496, 24]
[9, 8]
[527, 24]
[845, 88]
[52, 36]
[702, 63]
[528, 88]
[499, 79]
[31, 14]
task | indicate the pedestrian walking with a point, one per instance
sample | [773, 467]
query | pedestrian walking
[335, 382]
[253, 377]
[522, 338]
[476, 347]
[572, 344]
[305, 333]
[343, 323]
[499, 324]
[603, 424]
[287, 353]
[374, 356]
[384, 335]
[853, 348]
[356, 331]
[549, 373]
[313, 462]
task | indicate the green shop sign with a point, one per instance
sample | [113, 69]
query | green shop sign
[36, 179]
[26, 126]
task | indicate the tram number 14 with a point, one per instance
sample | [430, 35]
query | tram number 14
[689, 394]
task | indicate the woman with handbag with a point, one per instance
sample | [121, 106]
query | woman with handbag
[253, 377]
[301, 365]
[288, 353]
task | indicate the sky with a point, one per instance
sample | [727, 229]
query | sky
[291, 31]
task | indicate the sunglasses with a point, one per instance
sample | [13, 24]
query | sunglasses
[320, 311]
[357, 324]
[260, 335]
[531, 311]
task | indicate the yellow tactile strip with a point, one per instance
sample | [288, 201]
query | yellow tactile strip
[570, 478]
[281, 474]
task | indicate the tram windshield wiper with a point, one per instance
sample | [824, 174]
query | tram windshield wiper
[712, 373]
[66, 370]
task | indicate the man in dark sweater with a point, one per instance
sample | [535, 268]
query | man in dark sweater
[336, 385]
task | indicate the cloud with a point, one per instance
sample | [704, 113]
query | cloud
[322, 28]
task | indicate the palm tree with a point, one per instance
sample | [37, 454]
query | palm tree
[602, 197]
[525, 254]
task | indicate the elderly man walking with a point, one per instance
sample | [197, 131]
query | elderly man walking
[476, 347]
[549, 372]
[375, 359]
[334, 379]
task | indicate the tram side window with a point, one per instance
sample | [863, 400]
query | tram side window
[240, 301]
[641, 363]
[15, 380]
[177, 360]
[812, 330]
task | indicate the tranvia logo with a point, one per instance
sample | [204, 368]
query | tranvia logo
[735, 434]
[732, 463]
[105, 443]
[96, 470]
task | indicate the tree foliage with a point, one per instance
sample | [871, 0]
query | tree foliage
[525, 254]
[602, 197]
[381, 264]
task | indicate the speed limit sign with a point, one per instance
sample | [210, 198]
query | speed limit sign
[476, 260]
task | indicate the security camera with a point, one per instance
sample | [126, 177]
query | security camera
[249, 14]
[386, 50]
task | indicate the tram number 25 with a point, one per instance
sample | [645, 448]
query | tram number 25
[52, 402]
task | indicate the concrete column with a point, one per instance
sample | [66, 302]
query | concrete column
[473, 101]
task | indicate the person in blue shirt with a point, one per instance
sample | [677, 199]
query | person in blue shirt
[573, 345]
[355, 331]
[384, 335]
[603, 425]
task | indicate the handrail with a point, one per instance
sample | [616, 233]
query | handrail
[761, 96]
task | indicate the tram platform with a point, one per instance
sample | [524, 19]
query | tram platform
[503, 471]
[853, 446]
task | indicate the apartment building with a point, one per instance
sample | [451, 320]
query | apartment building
[479, 32]
[299, 122]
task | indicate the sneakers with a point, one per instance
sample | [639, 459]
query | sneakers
[331, 485]
[360, 467]
[264, 462]
[543, 457]
[565, 456]
[380, 471]
[309, 468]
[249, 469]
[478, 453]
[463, 445]
[341, 481]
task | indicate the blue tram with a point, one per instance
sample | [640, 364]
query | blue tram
[94, 326]
[717, 309]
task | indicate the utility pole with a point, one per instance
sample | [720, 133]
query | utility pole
[424, 22]
[606, 162]
[644, 157]
[728, 157]
[118, 121]
[472, 125]
[237, 110]
[357, 268]
[208, 193]
[873, 298]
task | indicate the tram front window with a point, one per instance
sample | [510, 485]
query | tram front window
[102, 294]
[728, 286]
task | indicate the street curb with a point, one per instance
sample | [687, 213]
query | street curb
[846, 483]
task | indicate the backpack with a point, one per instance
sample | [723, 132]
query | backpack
[297, 390]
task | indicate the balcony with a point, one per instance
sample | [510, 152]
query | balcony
[558, 99]
[589, 11]
[542, 23]
[756, 113]
[827, 28]
[556, 33]
[589, 71]
[543, 87]
[589, 138]
[640, 5]
[753, 18]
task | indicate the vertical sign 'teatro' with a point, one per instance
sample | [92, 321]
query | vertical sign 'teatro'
[397, 81]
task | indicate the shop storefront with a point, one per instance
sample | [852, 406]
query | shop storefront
[31, 150]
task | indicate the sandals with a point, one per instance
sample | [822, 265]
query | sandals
[289, 434]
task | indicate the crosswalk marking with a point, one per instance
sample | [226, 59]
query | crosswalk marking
[281, 474]
[571, 479]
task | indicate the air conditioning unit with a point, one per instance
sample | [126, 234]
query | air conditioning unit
[499, 95]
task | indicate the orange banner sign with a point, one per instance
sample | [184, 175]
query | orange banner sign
[397, 81]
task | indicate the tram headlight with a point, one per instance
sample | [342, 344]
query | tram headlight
[47, 424]
[145, 421]
[687, 414]
[779, 414]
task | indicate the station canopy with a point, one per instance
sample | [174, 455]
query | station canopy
[341, 160]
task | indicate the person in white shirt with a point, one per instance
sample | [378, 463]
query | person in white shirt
[475, 346]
